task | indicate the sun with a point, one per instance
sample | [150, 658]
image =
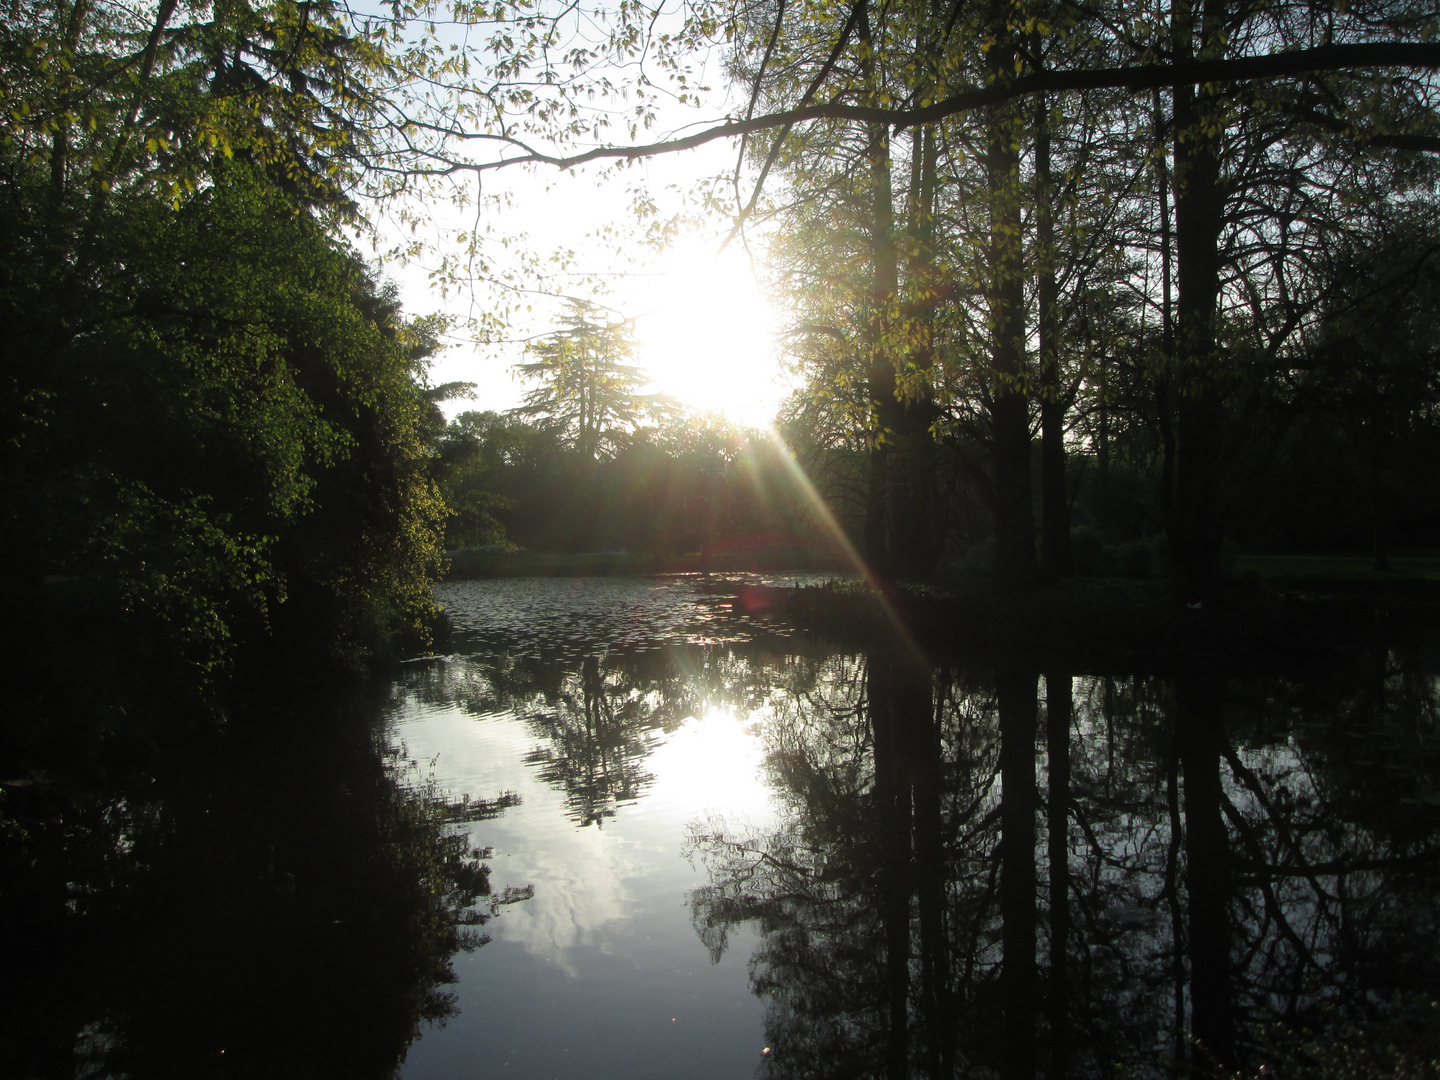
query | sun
[706, 335]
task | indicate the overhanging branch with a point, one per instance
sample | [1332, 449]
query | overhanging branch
[1138, 77]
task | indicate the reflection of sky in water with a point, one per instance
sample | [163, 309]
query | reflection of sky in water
[600, 974]
[617, 748]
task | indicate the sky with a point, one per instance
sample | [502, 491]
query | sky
[705, 328]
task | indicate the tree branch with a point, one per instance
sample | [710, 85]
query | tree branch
[1138, 77]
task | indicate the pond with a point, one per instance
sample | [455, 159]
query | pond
[744, 849]
[647, 828]
[619, 713]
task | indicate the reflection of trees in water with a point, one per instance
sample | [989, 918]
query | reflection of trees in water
[595, 729]
[957, 886]
[595, 718]
[858, 777]
[808, 883]
[283, 902]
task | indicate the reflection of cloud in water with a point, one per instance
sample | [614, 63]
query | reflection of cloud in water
[584, 878]
[580, 880]
[579, 874]
[587, 880]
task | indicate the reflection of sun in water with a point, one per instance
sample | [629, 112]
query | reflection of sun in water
[712, 762]
[706, 335]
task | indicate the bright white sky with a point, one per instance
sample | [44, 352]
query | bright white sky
[705, 329]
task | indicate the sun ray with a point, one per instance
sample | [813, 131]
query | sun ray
[837, 537]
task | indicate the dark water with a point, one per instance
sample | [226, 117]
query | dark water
[701, 844]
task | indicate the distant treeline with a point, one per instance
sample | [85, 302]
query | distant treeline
[694, 485]
[1318, 466]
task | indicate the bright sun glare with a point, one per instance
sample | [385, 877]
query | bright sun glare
[707, 335]
[713, 762]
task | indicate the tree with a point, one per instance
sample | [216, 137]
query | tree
[589, 394]
[210, 413]
[899, 69]
[470, 452]
[1376, 365]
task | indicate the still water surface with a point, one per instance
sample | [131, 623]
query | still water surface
[622, 713]
[739, 848]
[709, 835]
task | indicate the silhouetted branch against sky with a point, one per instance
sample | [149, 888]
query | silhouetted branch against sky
[1311, 61]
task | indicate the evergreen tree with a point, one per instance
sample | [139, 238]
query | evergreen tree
[589, 388]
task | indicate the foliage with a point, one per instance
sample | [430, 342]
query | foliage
[211, 428]
[469, 453]
[992, 270]
[235, 427]
[696, 485]
[588, 397]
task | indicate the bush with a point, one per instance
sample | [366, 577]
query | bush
[1087, 548]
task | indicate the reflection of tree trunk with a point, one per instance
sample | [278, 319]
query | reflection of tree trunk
[1018, 796]
[599, 734]
[1172, 893]
[1107, 710]
[1058, 704]
[892, 804]
[1199, 729]
[593, 688]
[930, 871]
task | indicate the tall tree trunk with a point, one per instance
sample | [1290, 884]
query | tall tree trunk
[1102, 448]
[877, 476]
[1056, 559]
[1377, 507]
[74, 22]
[1015, 563]
[1164, 376]
[884, 257]
[912, 536]
[900, 535]
[1015, 691]
[1199, 206]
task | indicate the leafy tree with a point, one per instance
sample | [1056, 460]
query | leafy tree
[232, 441]
[211, 430]
[470, 452]
[589, 391]
[1254, 167]
[1376, 365]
